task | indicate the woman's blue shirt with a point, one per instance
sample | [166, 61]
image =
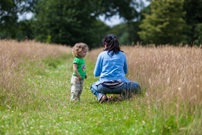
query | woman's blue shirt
[111, 67]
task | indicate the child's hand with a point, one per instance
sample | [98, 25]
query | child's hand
[80, 78]
[86, 76]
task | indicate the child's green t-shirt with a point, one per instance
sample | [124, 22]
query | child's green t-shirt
[80, 67]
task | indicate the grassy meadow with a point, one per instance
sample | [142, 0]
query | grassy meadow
[35, 92]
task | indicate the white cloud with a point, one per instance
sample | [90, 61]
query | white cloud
[24, 16]
[112, 21]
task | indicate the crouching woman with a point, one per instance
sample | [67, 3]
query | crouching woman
[111, 66]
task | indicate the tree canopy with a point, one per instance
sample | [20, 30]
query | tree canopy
[193, 18]
[68, 22]
[71, 21]
[9, 15]
[165, 24]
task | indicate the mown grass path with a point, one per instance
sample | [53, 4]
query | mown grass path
[51, 112]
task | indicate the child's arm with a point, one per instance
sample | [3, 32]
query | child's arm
[76, 71]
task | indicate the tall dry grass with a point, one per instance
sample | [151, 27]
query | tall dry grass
[15, 58]
[170, 76]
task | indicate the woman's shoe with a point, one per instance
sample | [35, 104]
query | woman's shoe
[103, 99]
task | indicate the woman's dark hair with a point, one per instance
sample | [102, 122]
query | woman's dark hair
[112, 44]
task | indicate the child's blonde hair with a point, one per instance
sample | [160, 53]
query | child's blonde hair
[78, 48]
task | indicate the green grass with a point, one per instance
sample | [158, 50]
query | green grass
[48, 110]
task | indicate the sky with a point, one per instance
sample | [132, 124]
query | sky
[116, 19]
[112, 21]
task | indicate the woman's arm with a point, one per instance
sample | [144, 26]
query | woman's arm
[98, 67]
[125, 68]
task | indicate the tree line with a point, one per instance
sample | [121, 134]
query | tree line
[70, 21]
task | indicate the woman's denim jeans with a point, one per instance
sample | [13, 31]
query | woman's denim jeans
[125, 89]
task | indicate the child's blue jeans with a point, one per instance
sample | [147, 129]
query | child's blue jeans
[126, 88]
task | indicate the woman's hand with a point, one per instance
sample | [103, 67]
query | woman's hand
[86, 77]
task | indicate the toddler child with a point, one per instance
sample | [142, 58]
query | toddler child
[79, 70]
